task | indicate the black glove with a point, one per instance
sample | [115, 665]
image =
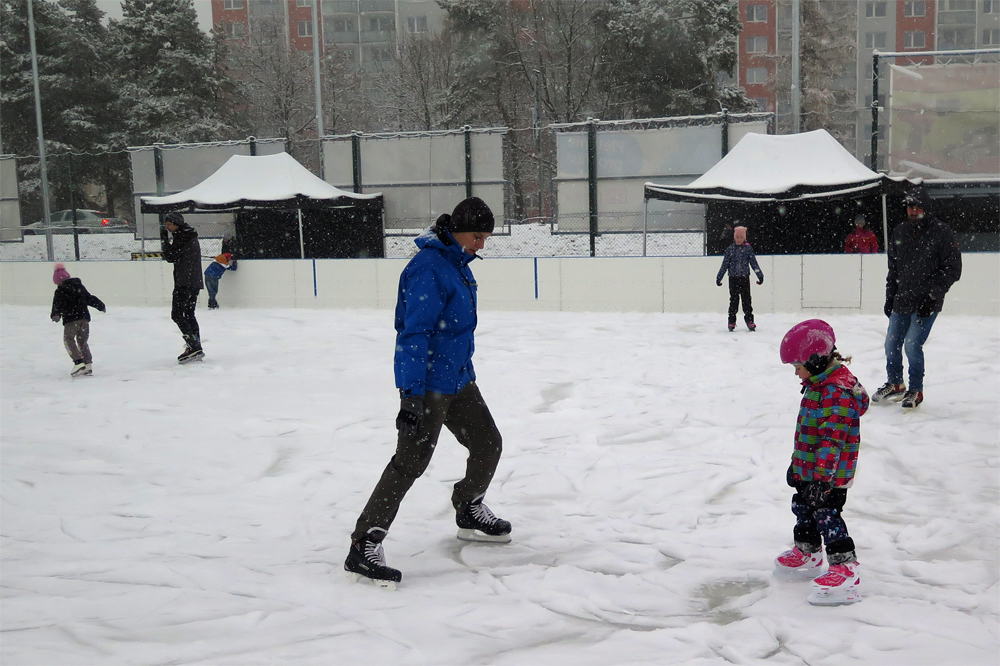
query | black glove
[411, 413]
[163, 234]
[926, 307]
[888, 306]
[816, 493]
[55, 318]
[718, 283]
[760, 281]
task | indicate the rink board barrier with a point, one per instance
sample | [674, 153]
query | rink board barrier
[793, 283]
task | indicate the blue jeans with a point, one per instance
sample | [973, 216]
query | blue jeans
[212, 284]
[909, 332]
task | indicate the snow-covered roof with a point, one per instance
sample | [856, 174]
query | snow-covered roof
[262, 181]
[764, 167]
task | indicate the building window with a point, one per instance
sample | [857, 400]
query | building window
[232, 4]
[756, 75]
[874, 9]
[991, 6]
[951, 38]
[303, 3]
[415, 24]
[960, 5]
[341, 25]
[991, 37]
[874, 40]
[914, 40]
[756, 13]
[235, 30]
[915, 8]
[381, 24]
[757, 44]
[305, 28]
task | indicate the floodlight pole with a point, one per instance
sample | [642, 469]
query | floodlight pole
[318, 85]
[875, 74]
[796, 101]
[43, 170]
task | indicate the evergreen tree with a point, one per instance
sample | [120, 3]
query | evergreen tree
[170, 86]
[75, 90]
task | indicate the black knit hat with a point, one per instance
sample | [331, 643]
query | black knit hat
[471, 214]
[174, 218]
[919, 197]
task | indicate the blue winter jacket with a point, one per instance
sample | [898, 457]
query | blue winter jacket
[738, 260]
[215, 270]
[435, 319]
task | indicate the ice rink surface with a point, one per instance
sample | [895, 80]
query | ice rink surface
[158, 514]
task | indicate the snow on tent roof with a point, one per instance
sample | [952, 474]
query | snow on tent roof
[261, 181]
[764, 167]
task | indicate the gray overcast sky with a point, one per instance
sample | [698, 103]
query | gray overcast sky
[113, 9]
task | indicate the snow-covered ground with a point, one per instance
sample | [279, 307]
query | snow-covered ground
[160, 514]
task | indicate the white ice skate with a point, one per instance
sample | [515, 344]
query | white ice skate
[838, 586]
[798, 563]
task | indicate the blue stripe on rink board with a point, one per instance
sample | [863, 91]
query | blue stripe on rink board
[536, 278]
[315, 293]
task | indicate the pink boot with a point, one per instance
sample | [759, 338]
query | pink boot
[796, 560]
[838, 586]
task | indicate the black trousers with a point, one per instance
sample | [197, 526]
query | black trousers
[469, 420]
[182, 312]
[739, 287]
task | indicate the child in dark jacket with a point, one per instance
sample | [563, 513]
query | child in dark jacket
[827, 439]
[222, 263]
[738, 260]
[70, 303]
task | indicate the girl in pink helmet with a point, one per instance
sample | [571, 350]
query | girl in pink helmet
[827, 437]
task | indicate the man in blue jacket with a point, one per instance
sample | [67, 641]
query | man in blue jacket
[435, 325]
[738, 261]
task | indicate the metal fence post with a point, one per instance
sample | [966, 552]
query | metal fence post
[874, 164]
[468, 161]
[592, 181]
[253, 146]
[158, 169]
[356, 160]
[725, 132]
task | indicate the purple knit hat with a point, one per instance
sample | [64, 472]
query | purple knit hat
[60, 274]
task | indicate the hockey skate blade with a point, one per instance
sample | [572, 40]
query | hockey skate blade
[786, 573]
[358, 578]
[192, 359]
[482, 537]
[823, 597]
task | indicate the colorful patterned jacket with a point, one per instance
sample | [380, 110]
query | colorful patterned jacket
[828, 431]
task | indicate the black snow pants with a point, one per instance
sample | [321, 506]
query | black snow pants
[468, 418]
[182, 312]
[739, 287]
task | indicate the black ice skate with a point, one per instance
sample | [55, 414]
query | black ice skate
[477, 523]
[190, 354]
[366, 559]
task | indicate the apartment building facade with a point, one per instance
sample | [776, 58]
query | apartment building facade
[905, 26]
[364, 32]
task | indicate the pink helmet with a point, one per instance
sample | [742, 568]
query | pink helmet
[808, 341]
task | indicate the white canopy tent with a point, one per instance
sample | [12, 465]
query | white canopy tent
[261, 182]
[765, 168]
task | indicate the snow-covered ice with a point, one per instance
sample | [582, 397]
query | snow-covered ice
[163, 514]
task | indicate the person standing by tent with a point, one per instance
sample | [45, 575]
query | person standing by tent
[862, 240]
[924, 261]
[738, 260]
[435, 323]
[184, 252]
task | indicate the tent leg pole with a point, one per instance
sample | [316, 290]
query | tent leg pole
[302, 244]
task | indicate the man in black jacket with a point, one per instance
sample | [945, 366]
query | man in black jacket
[184, 252]
[924, 261]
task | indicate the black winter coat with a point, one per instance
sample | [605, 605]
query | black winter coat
[924, 259]
[185, 254]
[71, 300]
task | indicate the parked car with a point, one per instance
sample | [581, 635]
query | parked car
[87, 222]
